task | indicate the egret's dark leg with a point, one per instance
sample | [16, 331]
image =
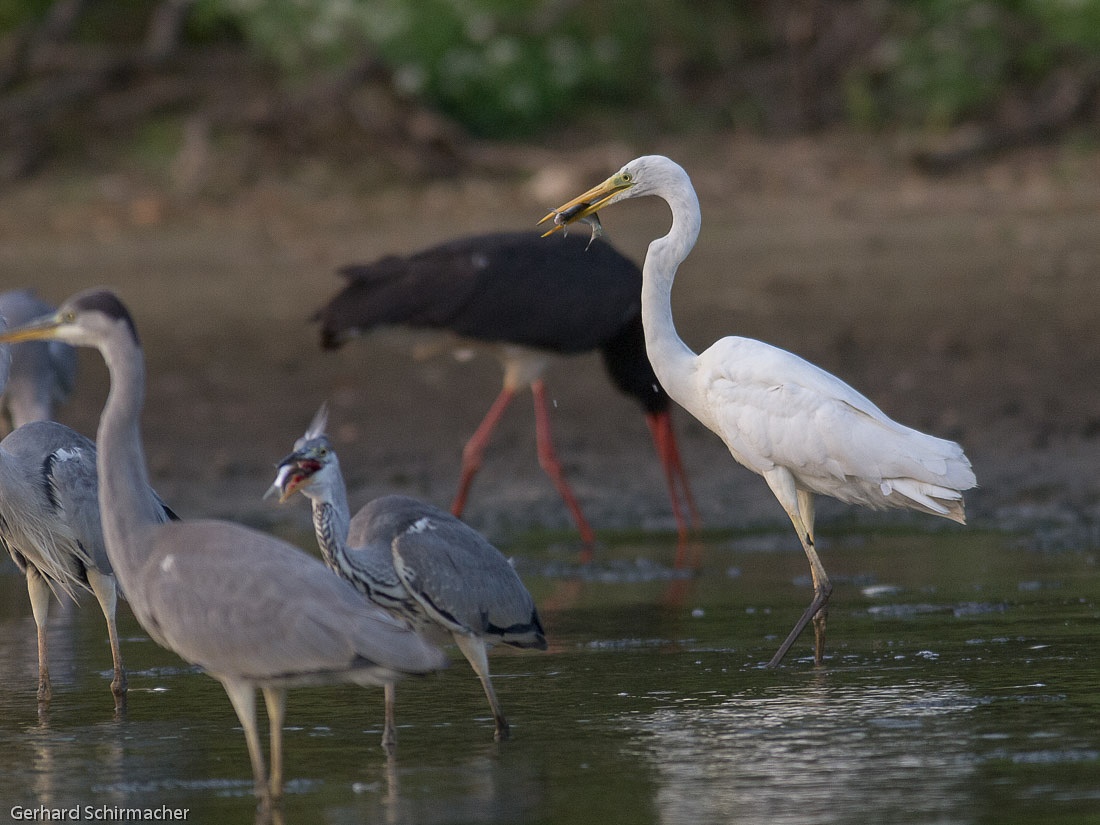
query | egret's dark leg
[800, 507]
[548, 460]
[664, 439]
[475, 652]
[107, 595]
[475, 448]
[39, 592]
[820, 579]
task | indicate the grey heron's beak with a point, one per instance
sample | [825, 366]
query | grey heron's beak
[40, 329]
[584, 207]
[294, 474]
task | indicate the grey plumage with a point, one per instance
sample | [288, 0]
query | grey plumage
[416, 561]
[42, 372]
[50, 525]
[251, 610]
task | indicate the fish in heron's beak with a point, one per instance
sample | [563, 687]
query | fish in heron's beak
[294, 474]
[583, 208]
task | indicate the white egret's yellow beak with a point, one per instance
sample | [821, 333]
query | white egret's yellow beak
[586, 205]
[40, 329]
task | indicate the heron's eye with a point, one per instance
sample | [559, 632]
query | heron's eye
[627, 177]
[69, 317]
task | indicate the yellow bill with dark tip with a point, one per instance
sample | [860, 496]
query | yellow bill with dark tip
[586, 205]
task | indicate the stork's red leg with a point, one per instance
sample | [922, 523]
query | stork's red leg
[474, 450]
[664, 439]
[549, 462]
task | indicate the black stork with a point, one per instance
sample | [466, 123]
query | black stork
[528, 301]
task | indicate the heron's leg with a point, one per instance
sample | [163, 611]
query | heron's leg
[106, 594]
[475, 448]
[39, 592]
[243, 697]
[800, 509]
[476, 654]
[548, 460]
[389, 732]
[664, 439]
[275, 700]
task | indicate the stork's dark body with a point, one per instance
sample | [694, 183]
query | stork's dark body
[528, 297]
[509, 288]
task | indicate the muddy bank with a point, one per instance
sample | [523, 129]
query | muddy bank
[966, 306]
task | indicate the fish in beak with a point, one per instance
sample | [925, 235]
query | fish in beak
[295, 472]
[583, 208]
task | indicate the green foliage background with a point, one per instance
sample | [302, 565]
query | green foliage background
[507, 68]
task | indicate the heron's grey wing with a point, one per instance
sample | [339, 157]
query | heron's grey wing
[238, 602]
[463, 581]
[70, 482]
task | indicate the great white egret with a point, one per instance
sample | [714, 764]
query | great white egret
[803, 429]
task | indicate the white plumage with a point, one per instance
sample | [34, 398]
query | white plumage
[804, 430]
[773, 409]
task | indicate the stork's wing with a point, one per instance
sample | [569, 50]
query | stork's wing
[508, 287]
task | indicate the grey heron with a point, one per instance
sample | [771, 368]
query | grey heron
[250, 610]
[50, 524]
[803, 429]
[42, 372]
[418, 562]
[526, 302]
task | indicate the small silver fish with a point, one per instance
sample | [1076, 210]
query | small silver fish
[563, 219]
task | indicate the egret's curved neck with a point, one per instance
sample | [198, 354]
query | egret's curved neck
[126, 501]
[672, 359]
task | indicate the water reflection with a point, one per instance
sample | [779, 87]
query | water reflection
[44, 760]
[953, 695]
[818, 753]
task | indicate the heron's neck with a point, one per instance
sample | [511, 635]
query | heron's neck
[126, 501]
[672, 359]
[331, 518]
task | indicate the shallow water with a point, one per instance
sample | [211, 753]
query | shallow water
[962, 685]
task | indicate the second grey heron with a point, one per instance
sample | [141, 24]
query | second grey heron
[50, 524]
[252, 611]
[416, 561]
[42, 372]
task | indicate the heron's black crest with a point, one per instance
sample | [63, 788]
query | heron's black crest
[105, 301]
